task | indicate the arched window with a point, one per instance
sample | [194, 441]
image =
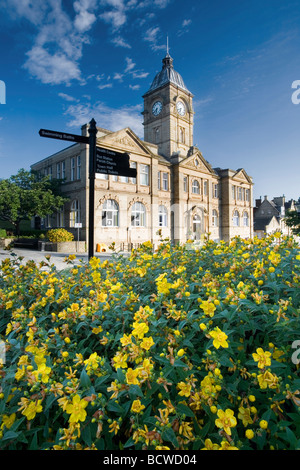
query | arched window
[214, 218]
[236, 218]
[138, 215]
[75, 213]
[196, 187]
[162, 216]
[246, 219]
[110, 213]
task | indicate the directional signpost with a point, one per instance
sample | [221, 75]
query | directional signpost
[101, 160]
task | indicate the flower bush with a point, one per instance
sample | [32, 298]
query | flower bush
[59, 235]
[172, 349]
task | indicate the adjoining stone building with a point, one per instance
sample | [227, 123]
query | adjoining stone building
[269, 215]
[177, 194]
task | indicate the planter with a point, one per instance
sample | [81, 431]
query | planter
[62, 247]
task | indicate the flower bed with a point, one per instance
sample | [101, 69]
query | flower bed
[179, 349]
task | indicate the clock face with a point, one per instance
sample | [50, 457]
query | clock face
[180, 108]
[156, 108]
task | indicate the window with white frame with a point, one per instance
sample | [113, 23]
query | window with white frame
[236, 218]
[215, 190]
[246, 219]
[78, 167]
[247, 195]
[63, 170]
[205, 188]
[165, 181]
[214, 218]
[72, 168]
[60, 218]
[138, 215]
[162, 216]
[133, 165]
[58, 172]
[144, 175]
[158, 179]
[196, 187]
[185, 184]
[110, 213]
[233, 192]
[75, 213]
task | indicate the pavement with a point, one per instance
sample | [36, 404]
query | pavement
[55, 258]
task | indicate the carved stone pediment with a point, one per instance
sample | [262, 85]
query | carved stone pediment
[124, 140]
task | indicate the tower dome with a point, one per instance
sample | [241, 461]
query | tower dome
[167, 75]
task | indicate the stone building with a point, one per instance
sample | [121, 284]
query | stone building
[269, 215]
[177, 194]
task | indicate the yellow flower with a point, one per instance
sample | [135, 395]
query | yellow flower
[77, 409]
[42, 373]
[114, 427]
[8, 421]
[147, 343]
[262, 357]
[185, 389]
[208, 307]
[186, 430]
[125, 340]
[140, 329]
[226, 420]
[244, 415]
[137, 406]
[120, 360]
[249, 434]
[263, 424]
[131, 376]
[180, 352]
[219, 338]
[30, 408]
[267, 379]
[209, 445]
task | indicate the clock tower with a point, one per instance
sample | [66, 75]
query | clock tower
[168, 112]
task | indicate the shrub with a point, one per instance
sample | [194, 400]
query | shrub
[2, 233]
[176, 349]
[59, 235]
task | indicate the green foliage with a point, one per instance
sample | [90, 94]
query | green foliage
[293, 220]
[59, 235]
[176, 349]
[24, 196]
[2, 233]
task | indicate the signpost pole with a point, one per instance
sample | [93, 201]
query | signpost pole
[92, 145]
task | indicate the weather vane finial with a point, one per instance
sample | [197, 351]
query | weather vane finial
[167, 44]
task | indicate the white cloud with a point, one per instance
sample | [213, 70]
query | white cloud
[130, 65]
[119, 41]
[105, 85]
[67, 97]
[51, 69]
[58, 45]
[106, 117]
[114, 17]
[151, 36]
[134, 87]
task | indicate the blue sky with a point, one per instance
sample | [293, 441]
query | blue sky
[64, 62]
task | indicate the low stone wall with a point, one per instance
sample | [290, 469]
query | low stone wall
[63, 247]
[4, 242]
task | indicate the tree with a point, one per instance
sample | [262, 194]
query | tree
[26, 195]
[292, 220]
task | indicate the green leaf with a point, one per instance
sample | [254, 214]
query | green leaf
[85, 381]
[183, 409]
[135, 391]
[169, 435]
